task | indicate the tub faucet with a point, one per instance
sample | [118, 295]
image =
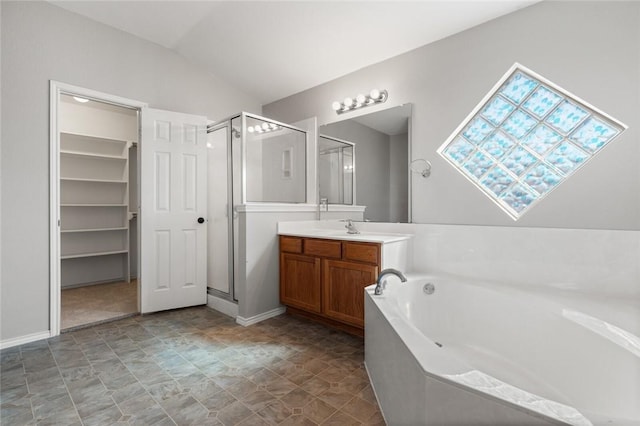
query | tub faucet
[389, 271]
[351, 228]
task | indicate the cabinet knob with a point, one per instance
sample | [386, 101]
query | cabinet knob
[201, 220]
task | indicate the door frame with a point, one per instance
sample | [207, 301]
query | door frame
[56, 89]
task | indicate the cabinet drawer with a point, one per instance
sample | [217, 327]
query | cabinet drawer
[291, 244]
[362, 252]
[323, 248]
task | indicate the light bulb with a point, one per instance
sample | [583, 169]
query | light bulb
[348, 102]
[81, 100]
[375, 94]
[361, 99]
[250, 129]
[336, 106]
[265, 126]
[273, 126]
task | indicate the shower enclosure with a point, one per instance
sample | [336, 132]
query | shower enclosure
[336, 170]
[251, 159]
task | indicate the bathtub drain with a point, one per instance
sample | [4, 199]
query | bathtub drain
[429, 288]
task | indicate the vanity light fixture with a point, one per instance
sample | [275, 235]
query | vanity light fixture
[264, 128]
[349, 104]
[81, 100]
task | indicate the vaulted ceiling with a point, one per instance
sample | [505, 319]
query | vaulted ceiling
[273, 49]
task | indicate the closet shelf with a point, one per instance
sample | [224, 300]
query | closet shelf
[94, 171]
[123, 182]
[73, 135]
[93, 230]
[92, 155]
[93, 205]
[102, 253]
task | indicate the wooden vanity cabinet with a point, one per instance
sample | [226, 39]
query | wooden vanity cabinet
[300, 282]
[343, 284]
[324, 279]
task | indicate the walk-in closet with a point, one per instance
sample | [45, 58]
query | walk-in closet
[98, 211]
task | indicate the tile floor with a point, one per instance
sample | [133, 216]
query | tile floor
[192, 366]
[96, 303]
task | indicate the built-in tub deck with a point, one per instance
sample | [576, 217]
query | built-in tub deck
[482, 354]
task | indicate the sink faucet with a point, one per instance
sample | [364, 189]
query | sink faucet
[389, 271]
[351, 228]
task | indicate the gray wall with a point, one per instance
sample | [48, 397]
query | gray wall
[372, 166]
[42, 42]
[398, 178]
[591, 49]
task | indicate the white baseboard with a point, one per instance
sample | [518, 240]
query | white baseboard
[16, 341]
[222, 305]
[245, 322]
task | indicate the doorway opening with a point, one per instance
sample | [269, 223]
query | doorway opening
[94, 203]
[98, 211]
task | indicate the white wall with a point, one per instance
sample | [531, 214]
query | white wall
[42, 42]
[589, 48]
[592, 271]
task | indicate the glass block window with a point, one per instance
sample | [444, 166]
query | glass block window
[525, 138]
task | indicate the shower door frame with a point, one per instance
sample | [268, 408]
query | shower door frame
[232, 212]
[231, 215]
[243, 160]
[352, 145]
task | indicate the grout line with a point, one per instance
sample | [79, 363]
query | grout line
[65, 382]
[200, 330]
[134, 375]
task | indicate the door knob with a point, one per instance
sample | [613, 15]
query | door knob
[201, 220]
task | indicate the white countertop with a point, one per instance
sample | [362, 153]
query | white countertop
[334, 234]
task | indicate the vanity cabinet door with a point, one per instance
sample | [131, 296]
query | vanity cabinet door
[300, 284]
[343, 285]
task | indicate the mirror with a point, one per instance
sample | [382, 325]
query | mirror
[275, 160]
[336, 170]
[381, 184]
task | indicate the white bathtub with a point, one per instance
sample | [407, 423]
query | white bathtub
[474, 354]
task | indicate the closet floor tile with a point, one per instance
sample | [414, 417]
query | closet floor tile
[97, 303]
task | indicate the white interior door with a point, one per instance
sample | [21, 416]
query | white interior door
[173, 205]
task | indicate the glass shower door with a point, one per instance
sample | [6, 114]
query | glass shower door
[220, 227]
